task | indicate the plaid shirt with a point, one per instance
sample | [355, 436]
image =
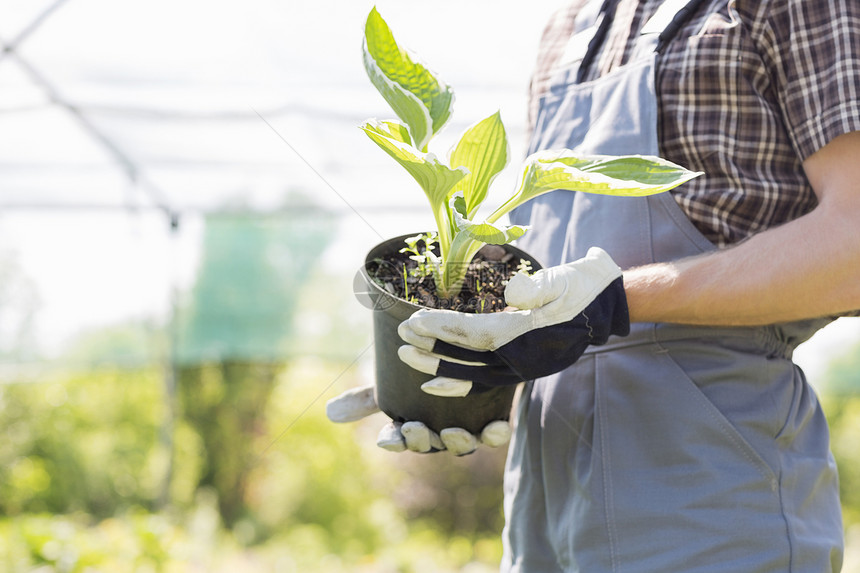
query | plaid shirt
[747, 90]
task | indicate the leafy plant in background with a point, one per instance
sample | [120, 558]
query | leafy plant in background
[456, 190]
[839, 392]
[237, 329]
[83, 441]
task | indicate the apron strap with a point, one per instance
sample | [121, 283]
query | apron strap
[682, 16]
[669, 18]
[664, 26]
[601, 27]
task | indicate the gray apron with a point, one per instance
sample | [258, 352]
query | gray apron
[676, 448]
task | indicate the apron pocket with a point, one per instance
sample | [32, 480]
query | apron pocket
[704, 413]
[674, 463]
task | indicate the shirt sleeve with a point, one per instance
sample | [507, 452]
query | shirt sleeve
[814, 46]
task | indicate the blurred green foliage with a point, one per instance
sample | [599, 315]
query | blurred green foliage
[224, 403]
[138, 542]
[81, 442]
[321, 497]
[233, 335]
[84, 461]
[843, 415]
[840, 396]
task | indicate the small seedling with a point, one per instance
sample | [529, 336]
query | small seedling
[424, 104]
[525, 267]
[427, 263]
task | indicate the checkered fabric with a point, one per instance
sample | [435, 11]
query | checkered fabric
[747, 90]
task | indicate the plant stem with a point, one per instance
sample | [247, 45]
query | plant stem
[455, 265]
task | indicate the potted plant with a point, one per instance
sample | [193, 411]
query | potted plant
[443, 268]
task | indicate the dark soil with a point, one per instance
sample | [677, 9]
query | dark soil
[483, 289]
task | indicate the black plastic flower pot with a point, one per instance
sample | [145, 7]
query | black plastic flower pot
[398, 386]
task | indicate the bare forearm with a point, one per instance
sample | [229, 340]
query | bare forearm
[804, 269]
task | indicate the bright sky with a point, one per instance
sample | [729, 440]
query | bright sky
[175, 87]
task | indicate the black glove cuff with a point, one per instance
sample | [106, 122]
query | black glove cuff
[608, 313]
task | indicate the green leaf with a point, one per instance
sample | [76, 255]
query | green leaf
[623, 176]
[654, 174]
[458, 204]
[437, 179]
[483, 150]
[468, 237]
[417, 95]
[390, 130]
[483, 232]
[492, 234]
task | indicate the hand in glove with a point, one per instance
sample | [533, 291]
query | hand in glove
[563, 310]
[359, 403]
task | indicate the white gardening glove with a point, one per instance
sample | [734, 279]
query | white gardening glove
[358, 403]
[563, 310]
